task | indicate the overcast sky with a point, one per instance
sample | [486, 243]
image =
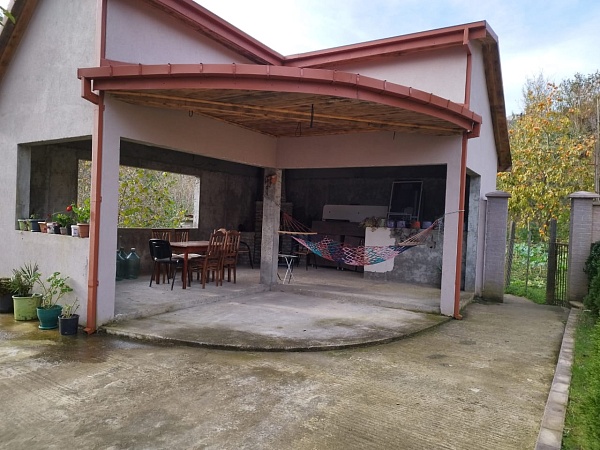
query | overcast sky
[558, 38]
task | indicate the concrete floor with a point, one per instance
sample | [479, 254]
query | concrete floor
[479, 383]
[321, 309]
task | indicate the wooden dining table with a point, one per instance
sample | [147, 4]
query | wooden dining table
[185, 248]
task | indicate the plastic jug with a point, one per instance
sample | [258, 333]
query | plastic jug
[133, 265]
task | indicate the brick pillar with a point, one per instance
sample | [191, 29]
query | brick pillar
[495, 245]
[580, 241]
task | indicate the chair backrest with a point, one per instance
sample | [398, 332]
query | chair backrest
[161, 233]
[180, 235]
[232, 243]
[216, 244]
[160, 249]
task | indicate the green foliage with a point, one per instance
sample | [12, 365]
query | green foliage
[536, 294]
[53, 289]
[581, 422]
[69, 309]
[24, 278]
[551, 158]
[6, 13]
[5, 287]
[146, 199]
[63, 220]
[82, 212]
[592, 268]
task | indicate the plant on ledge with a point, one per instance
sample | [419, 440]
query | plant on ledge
[53, 289]
[82, 213]
[64, 220]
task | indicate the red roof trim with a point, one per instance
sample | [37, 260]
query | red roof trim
[218, 29]
[283, 79]
[427, 40]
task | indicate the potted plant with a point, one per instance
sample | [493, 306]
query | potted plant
[34, 222]
[53, 289]
[21, 283]
[64, 222]
[6, 293]
[23, 224]
[82, 217]
[68, 321]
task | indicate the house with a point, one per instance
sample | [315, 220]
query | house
[168, 84]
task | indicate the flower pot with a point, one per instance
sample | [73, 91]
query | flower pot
[75, 230]
[23, 225]
[25, 307]
[43, 227]
[34, 225]
[68, 325]
[48, 317]
[84, 230]
[63, 231]
[6, 303]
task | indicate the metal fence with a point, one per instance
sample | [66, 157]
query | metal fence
[538, 265]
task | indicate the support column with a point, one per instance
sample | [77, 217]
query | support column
[580, 241]
[495, 245]
[270, 226]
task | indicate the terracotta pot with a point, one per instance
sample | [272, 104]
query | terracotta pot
[84, 230]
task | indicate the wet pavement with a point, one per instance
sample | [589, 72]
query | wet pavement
[479, 383]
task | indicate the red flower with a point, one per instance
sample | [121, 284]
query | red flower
[69, 208]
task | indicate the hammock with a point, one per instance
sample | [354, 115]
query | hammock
[353, 256]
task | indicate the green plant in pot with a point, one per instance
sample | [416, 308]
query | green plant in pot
[82, 217]
[6, 293]
[21, 284]
[68, 321]
[64, 222]
[53, 289]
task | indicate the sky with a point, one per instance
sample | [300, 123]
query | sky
[556, 38]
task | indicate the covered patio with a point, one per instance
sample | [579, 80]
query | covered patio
[320, 309]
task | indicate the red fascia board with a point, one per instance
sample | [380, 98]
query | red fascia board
[276, 78]
[427, 40]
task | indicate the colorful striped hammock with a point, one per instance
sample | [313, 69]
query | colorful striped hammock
[353, 256]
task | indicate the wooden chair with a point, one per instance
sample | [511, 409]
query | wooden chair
[180, 235]
[161, 233]
[212, 261]
[230, 254]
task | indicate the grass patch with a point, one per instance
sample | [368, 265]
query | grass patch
[533, 293]
[582, 430]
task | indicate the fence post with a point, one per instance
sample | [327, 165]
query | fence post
[510, 252]
[551, 271]
[580, 241]
[496, 222]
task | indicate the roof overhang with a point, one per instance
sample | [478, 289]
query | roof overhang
[282, 101]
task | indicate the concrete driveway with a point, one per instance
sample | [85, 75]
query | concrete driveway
[479, 383]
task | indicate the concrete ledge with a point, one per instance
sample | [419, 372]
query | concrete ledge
[553, 421]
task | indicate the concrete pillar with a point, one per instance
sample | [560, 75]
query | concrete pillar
[580, 241]
[270, 226]
[495, 245]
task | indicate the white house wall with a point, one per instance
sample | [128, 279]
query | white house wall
[41, 101]
[441, 72]
[197, 135]
[137, 32]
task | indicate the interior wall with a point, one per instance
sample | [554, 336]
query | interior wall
[310, 190]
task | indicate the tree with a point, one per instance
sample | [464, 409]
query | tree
[551, 159]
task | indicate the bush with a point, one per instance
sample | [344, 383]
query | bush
[592, 268]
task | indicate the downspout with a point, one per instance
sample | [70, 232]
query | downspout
[95, 202]
[96, 192]
[462, 183]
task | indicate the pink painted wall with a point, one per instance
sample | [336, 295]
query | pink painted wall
[140, 33]
[441, 72]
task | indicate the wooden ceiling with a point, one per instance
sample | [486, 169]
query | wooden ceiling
[291, 113]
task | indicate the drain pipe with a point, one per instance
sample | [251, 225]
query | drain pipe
[96, 193]
[95, 202]
[463, 182]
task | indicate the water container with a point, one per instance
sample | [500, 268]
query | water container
[133, 265]
[121, 267]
